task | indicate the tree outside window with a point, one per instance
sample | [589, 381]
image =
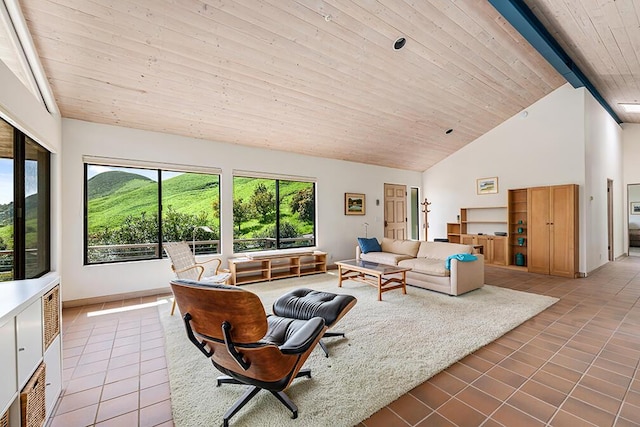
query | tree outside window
[272, 214]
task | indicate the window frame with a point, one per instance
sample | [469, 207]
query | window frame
[277, 180]
[159, 168]
[20, 140]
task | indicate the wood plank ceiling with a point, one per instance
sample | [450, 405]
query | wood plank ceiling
[603, 38]
[311, 76]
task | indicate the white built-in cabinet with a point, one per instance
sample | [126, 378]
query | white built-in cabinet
[29, 337]
[52, 359]
[29, 340]
[9, 383]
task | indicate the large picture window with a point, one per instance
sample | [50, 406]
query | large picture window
[24, 206]
[272, 214]
[129, 211]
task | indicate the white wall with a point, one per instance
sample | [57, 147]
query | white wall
[631, 148]
[336, 233]
[631, 170]
[603, 160]
[634, 196]
[566, 138]
[20, 108]
[544, 148]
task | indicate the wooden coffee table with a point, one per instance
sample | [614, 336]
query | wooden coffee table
[374, 274]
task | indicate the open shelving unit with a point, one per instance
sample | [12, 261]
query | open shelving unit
[529, 219]
[479, 220]
[518, 210]
[454, 232]
[313, 264]
[483, 219]
[251, 269]
[477, 227]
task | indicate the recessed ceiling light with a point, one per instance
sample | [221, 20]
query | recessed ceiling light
[399, 44]
[448, 131]
[630, 108]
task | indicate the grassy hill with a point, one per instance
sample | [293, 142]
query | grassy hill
[104, 184]
[6, 214]
[120, 194]
[6, 221]
[114, 195]
[244, 187]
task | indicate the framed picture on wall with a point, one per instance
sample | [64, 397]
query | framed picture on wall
[354, 204]
[487, 185]
[634, 208]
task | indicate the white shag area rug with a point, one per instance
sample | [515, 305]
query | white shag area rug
[390, 347]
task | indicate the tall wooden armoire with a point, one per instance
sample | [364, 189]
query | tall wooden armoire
[553, 230]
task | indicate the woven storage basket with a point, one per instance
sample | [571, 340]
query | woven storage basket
[51, 316]
[4, 420]
[32, 403]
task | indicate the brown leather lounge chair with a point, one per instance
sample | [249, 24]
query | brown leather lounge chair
[229, 325]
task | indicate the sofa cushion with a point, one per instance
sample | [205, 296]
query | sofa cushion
[369, 245]
[432, 267]
[384, 257]
[441, 250]
[403, 247]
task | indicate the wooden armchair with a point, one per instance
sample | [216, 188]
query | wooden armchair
[185, 266]
[229, 325]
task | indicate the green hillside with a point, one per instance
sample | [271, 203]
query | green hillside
[6, 214]
[107, 183]
[116, 195]
[6, 222]
[243, 188]
[133, 195]
[123, 208]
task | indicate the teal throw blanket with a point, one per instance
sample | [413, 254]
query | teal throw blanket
[459, 257]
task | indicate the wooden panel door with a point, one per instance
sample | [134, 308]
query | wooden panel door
[499, 250]
[538, 230]
[468, 239]
[562, 250]
[395, 211]
[487, 248]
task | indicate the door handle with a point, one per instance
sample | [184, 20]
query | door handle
[385, 223]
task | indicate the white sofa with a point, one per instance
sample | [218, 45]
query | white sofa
[427, 262]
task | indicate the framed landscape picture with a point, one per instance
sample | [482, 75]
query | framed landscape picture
[487, 185]
[354, 204]
[635, 208]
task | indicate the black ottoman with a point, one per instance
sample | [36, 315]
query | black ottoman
[305, 304]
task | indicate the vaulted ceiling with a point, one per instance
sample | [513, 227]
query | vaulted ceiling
[322, 77]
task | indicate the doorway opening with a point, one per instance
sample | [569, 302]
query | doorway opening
[415, 214]
[610, 219]
[633, 219]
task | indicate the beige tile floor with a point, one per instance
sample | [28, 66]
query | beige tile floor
[114, 369]
[576, 364]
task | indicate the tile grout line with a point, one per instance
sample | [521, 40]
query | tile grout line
[557, 409]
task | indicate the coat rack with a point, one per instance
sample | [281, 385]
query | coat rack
[425, 210]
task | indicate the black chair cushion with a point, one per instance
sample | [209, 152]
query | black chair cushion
[293, 333]
[306, 303]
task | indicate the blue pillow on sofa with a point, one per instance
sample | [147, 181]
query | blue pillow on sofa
[369, 245]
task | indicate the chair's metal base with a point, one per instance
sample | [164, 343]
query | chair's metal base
[253, 390]
[323, 346]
